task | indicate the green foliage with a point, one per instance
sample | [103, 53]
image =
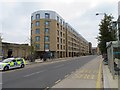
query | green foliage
[106, 33]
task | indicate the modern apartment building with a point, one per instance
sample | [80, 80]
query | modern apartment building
[50, 33]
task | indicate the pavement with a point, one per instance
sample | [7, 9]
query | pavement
[91, 75]
[109, 81]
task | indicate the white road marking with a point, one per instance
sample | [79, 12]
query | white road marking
[33, 73]
[66, 76]
[57, 81]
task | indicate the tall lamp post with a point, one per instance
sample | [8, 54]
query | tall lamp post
[100, 14]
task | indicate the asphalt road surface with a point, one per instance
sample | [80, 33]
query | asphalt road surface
[42, 76]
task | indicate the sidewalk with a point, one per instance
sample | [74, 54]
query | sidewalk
[85, 77]
[109, 82]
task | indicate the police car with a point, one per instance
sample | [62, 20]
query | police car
[11, 63]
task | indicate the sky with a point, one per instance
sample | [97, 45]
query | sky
[15, 16]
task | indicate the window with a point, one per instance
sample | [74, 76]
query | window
[64, 41]
[58, 32]
[61, 27]
[64, 47]
[46, 46]
[37, 23]
[46, 38]
[57, 25]
[31, 25]
[37, 16]
[57, 18]
[31, 18]
[37, 31]
[47, 15]
[47, 30]
[19, 59]
[14, 60]
[37, 38]
[57, 46]
[58, 39]
[61, 34]
[47, 23]
[37, 46]
[61, 47]
[61, 21]
[61, 40]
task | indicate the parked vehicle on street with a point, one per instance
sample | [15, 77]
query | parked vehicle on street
[11, 63]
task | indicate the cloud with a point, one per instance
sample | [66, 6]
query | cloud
[15, 19]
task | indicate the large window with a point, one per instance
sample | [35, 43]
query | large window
[57, 25]
[47, 23]
[61, 21]
[37, 23]
[61, 47]
[57, 18]
[37, 46]
[37, 31]
[31, 18]
[58, 32]
[57, 46]
[31, 25]
[37, 38]
[46, 38]
[58, 39]
[47, 15]
[37, 16]
[47, 30]
[46, 46]
[61, 40]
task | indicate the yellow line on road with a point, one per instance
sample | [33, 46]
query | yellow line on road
[98, 82]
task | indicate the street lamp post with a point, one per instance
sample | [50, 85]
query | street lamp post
[100, 14]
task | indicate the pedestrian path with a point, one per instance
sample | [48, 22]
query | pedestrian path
[109, 81]
[85, 77]
[85, 74]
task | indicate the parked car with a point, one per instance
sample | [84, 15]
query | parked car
[11, 63]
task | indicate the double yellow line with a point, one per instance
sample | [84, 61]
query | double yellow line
[98, 82]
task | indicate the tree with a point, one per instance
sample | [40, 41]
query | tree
[106, 33]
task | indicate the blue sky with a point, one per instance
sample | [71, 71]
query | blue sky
[15, 16]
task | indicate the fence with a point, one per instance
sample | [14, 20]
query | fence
[113, 51]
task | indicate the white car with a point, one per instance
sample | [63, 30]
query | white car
[11, 63]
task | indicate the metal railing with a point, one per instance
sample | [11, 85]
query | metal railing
[113, 53]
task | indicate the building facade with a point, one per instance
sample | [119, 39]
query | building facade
[50, 33]
[15, 50]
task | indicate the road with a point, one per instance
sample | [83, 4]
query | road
[42, 76]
